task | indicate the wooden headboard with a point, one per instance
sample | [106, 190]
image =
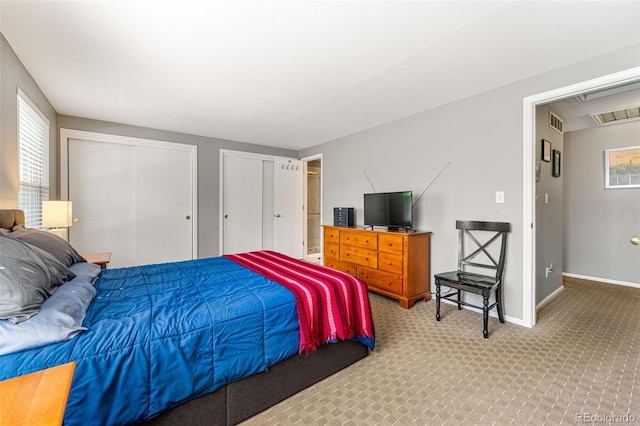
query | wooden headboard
[11, 217]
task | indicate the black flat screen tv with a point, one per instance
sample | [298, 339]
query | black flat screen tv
[391, 209]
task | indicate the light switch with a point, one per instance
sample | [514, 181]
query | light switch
[546, 198]
[500, 197]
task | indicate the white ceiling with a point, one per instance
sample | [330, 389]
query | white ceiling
[295, 73]
[576, 114]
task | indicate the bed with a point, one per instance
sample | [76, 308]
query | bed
[206, 341]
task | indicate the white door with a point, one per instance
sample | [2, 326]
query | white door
[241, 204]
[163, 204]
[261, 204]
[135, 201]
[289, 203]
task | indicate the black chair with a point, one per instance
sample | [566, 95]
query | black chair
[487, 238]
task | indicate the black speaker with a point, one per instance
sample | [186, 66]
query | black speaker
[344, 216]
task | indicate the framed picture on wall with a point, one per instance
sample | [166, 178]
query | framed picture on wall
[622, 167]
[555, 170]
[546, 150]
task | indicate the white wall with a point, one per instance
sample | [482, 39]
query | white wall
[482, 137]
[598, 221]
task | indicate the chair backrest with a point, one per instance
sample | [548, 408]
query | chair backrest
[488, 249]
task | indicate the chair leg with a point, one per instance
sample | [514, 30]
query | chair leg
[459, 299]
[499, 304]
[485, 314]
[437, 300]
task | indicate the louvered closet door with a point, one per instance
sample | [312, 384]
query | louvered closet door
[134, 201]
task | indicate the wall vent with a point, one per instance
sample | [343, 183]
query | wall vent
[615, 117]
[555, 122]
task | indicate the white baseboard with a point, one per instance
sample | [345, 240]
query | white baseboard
[549, 297]
[602, 280]
[492, 313]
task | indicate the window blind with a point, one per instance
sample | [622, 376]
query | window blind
[33, 147]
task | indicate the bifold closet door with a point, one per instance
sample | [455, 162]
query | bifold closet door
[134, 201]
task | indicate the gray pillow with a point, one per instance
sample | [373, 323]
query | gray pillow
[60, 317]
[28, 276]
[61, 249]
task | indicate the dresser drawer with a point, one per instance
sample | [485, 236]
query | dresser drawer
[390, 262]
[338, 265]
[359, 256]
[380, 280]
[367, 240]
[331, 235]
[391, 243]
[331, 251]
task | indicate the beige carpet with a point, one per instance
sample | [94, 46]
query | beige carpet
[581, 363]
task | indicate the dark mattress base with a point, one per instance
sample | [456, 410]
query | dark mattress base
[240, 400]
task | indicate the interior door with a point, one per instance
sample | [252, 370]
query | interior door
[135, 201]
[288, 208]
[163, 204]
[242, 210]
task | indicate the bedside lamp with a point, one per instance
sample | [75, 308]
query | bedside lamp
[56, 215]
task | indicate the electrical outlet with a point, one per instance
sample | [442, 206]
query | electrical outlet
[500, 197]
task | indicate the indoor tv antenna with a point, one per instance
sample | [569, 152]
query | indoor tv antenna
[365, 173]
[431, 183]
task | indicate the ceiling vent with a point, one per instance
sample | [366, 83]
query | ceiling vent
[555, 122]
[615, 117]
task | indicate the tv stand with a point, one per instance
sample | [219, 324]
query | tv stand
[392, 263]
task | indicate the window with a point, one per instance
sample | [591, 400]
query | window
[622, 167]
[33, 154]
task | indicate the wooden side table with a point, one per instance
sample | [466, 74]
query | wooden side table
[37, 398]
[101, 259]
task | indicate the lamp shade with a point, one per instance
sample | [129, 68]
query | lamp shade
[56, 214]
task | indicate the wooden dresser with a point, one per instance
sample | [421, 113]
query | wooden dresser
[395, 264]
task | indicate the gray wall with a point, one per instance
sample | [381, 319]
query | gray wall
[208, 168]
[598, 221]
[481, 136]
[13, 75]
[549, 215]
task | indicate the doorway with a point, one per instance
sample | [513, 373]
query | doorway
[529, 143]
[313, 208]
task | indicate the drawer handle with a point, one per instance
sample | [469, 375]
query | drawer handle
[366, 258]
[388, 263]
[389, 244]
[347, 254]
[366, 276]
[388, 282]
[366, 241]
[348, 238]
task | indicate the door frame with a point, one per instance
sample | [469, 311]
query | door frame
[305, 161]
[528, 191]
[66, 134]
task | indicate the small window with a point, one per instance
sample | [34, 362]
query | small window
[622, 167]
[33, 153]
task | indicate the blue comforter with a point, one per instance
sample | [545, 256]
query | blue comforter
[159, 335]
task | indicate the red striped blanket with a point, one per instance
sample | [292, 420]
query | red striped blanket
[331, 305]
